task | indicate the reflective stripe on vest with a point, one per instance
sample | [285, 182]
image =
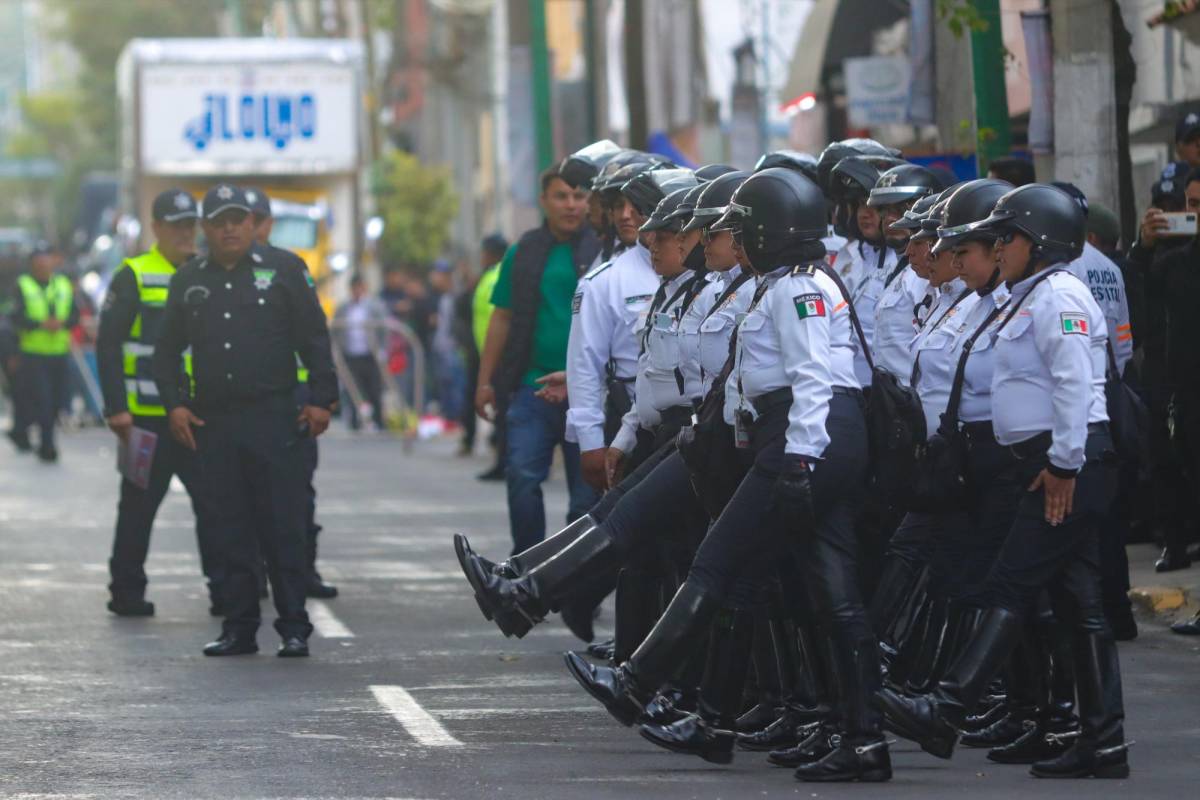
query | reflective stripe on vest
[152, 272]
[42, 304]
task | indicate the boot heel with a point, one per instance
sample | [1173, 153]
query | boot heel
[1113, 771]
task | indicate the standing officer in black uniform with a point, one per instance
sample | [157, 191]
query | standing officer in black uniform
[130, 320]
[314, 585]
[246, 314]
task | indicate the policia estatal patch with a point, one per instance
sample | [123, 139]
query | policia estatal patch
[809, 305]
[263, 278]
[576, 302]
[1074, 322]
[638, 298]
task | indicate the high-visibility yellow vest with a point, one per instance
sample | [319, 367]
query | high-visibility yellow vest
[153, 274]
[41, 304]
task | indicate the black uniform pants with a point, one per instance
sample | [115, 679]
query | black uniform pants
[42, 385]
[1063, 559]
[137, 508]
[253, 469]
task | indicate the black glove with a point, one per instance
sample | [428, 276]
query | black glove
[793, 495]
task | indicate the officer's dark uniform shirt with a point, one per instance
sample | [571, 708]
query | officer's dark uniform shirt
[122, 303]
[245, 327]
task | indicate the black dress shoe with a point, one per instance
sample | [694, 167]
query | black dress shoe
[131, 607]
[495, 594]
[1034, 745]
[917, 718]
[692, 736]
[819, 741]
[758, 718]
[316, 587]
[230, 644]
[784, 732]
[1005, 730]
[1082, 761]
[993, 712]
[1187, 627]
[612, 686]
[20, 441]
[670, 705]
[867, 761]
[601, 650]
[1172, 559]
[292, 647]
[496, 473]
[48, 454]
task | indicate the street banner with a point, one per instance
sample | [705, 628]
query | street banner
[877, 90]
[1039, 56]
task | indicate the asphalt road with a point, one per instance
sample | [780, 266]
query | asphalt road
[409, 693]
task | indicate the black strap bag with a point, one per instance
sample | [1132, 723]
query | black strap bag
[1128, 417]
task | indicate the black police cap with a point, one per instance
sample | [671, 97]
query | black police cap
[174, 205]
[903, 184]
[224, 197]
[1170, 184]
[260, 202]
[1187, 126]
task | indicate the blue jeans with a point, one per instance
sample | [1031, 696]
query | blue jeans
[534, 428]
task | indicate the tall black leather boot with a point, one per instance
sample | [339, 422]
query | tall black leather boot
[808, 702]
[517, 604]
[626, 689]
[932, 720]
[859, 752]
[934, 638]
[1026, 674]
[639, 602]
[960, 627]
[908, 649]
[766, 686]
[522, 562]
[708, 733]
[1100, 749]
[893, 595]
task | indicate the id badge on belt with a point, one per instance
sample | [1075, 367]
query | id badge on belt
[743, 422]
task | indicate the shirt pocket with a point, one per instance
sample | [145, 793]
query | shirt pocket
[1016, 351]
[714, 342]
[662, 340]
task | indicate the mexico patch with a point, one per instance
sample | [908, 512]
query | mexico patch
[263, 278]
[1073, 322]
[809, 305]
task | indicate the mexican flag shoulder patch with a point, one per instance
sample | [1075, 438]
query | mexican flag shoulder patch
[1074, 322]
[809, 305]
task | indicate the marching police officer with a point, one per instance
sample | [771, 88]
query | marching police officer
[315, 585]
[130, 320]
[246, 314]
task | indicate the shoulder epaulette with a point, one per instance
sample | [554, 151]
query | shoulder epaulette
[804, 269]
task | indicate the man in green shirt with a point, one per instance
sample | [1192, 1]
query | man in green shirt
[527, 339]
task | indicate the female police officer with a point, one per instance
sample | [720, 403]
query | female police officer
[796, 410]
[1049, 411]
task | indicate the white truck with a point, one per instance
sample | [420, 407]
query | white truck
[284, 115]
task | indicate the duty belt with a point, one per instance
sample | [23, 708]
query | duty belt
[979, 431]
[1038, 445]
[778, 397]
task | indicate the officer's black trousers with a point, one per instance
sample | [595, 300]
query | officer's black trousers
[308, 448]
[42, 382]
[1063, 559]
[137, 508]
[253, 471]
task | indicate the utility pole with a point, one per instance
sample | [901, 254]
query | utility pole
[635, 74]
[539, 52]
[991, 99]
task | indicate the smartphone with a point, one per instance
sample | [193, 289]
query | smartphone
[1179, 223]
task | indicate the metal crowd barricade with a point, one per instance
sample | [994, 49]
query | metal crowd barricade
[394, 396]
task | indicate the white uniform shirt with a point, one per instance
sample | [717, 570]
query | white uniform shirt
[976, 402]
[798, 335]
[896, 323]
[935, 357]
[608, 308]
[1049, 372]
[1104, 280]
[695, 344]
[657, 387]
[866, 287]
[719, 323]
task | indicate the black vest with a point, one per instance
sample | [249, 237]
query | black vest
[529, 262]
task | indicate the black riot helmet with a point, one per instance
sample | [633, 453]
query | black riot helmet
[710, 171]
[852, 180]
[971, 203]
[683, 211]
[615, 173]
[803, 163]
[1047, 215]
[903, 184]
[647, 188]
[579, 168]
[713, 200]
[914, 216]
[870, 149]
[778, 218]
[931, 221]
[663, 217]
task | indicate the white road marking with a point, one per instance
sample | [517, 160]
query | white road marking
[416, 720]
[327, 625]
[177, 485]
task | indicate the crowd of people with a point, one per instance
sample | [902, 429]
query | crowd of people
[857, 445]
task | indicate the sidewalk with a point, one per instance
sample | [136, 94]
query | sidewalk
[1161, 598]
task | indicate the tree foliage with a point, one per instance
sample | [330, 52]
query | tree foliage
[961, 16]
[417, 204]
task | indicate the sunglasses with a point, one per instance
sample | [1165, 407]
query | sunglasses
[707, 235]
